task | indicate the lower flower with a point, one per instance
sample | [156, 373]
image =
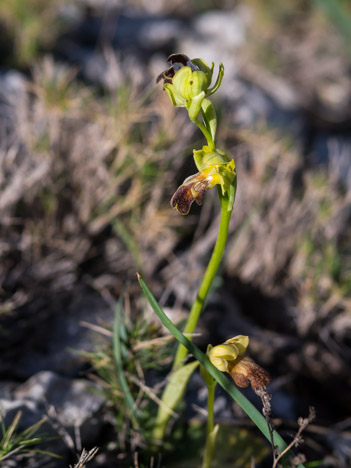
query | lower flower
[194, 187]
[230, 357]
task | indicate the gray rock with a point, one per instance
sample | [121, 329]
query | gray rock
[13, 96]
[13, 86]
[77, 403]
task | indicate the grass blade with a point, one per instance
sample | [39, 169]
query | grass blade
[117, 353]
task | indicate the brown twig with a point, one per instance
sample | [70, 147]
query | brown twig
[85, 457]
[302, 422]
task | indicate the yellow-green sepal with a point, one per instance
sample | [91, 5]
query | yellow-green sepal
[218, 81]
[202, 65]
[206, 157]
[190, 84]
[174, 96]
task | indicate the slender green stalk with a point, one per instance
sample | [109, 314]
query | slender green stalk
[212, 430]
[210, 408]
[207, 126]
[227, 202]
[233, 391]
[207, 134]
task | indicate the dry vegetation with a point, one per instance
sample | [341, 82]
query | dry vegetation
[82, 178]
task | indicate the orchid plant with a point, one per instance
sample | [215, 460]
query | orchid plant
[188, 84]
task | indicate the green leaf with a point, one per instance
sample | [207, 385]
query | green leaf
[210, 382]
[172, 395]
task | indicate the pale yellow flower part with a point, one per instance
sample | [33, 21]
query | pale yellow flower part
[230, 357]
[221, 355]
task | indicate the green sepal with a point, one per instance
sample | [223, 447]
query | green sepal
[181, 79]
[175, 98]
[232, 192]
[209, 116]
[227, 174]
[199, 82]
[200, 63]
[189, 84]
[206, 157]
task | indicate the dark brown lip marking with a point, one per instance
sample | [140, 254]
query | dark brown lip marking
[178, 58]
[166, 75]
[177, 61]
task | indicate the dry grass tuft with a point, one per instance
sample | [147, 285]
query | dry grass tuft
[84, 189]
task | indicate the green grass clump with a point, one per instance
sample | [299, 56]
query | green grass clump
[131, 350]
[15, 445]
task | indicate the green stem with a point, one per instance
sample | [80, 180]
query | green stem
[207, 134]
[210, 408]
[211, 430]
[226, 210]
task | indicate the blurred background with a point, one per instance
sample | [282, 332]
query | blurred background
[91, 151]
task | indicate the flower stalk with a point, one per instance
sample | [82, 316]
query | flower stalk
[211, 429]
[206, 134]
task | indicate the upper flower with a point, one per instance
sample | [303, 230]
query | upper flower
[230, 357]
[186, 78]
[187, 82]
